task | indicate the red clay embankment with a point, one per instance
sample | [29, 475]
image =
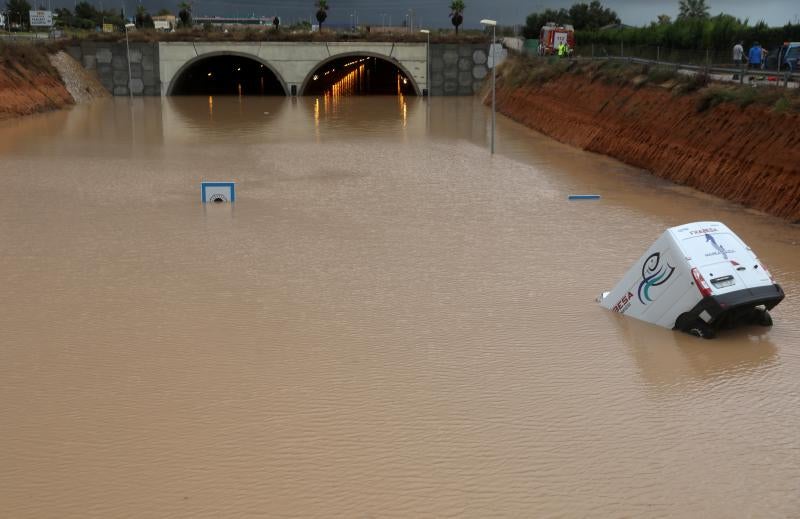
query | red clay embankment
[28, 82]
[746, 152]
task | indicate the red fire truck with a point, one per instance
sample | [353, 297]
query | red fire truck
[552, 35]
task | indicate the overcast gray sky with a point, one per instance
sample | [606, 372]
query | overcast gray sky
[434, 13]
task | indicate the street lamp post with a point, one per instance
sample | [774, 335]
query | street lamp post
[493, 25]
[427, 33]
[128, 51]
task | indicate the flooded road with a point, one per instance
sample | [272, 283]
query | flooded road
[388, 323]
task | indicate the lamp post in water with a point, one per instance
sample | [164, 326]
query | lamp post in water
[493, 25]
[127, 50]
[427, 61]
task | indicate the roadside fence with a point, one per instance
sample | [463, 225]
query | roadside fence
[716, 64]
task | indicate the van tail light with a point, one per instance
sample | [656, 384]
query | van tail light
[700, 282]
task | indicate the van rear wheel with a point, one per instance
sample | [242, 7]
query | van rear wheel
[702, 330]
[761, 317]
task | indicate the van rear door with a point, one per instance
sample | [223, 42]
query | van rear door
[724, 261]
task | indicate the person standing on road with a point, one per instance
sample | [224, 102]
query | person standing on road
[738, 57]
[754, 56]
[738, 54]
[764, 58]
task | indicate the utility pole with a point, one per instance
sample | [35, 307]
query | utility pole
[494, 80]
[493, 55]
[128, 51]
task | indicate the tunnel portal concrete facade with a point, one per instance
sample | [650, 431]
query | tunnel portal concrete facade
[292, 62]
[456, 69]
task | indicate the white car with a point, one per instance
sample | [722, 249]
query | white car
[697, 278]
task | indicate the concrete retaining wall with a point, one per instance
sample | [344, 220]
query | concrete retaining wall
[110, 61]
[456, 69]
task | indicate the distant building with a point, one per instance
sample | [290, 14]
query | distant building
[234, 23]
[166, 22]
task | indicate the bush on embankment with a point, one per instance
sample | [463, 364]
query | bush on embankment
[737, 142]
[524, 71]
[33, 56]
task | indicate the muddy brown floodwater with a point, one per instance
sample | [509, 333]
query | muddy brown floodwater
[389, 322]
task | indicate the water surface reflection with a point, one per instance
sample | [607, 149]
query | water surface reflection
[389, 322]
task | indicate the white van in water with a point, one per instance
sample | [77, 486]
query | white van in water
[697, 278]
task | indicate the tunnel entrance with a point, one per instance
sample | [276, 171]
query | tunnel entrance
[359, 75]
[227, 75]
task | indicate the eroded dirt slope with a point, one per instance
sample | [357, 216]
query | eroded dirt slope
[747, 155]
[29, 84]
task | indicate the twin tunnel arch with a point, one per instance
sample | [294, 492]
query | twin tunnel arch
[235, 73]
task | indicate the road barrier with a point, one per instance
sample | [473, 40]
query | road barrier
[690, 62]
[787, 78]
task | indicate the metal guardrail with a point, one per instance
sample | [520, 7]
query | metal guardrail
[784, 76]
[27, 37]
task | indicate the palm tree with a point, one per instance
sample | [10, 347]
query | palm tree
[185, 14]
[693, 9]
[18, 10]
[457, 13]
[322, 12]
[140, 14]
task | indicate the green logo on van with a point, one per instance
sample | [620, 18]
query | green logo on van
[653, 275]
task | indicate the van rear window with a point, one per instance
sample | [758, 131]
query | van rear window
[712, 247]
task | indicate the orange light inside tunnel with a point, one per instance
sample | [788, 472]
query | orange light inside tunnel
[401, 100]
[349, 83]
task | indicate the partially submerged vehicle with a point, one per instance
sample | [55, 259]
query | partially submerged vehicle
[697, 278]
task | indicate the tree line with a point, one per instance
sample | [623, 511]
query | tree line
[581, 16]
[717, 32]
[693, 28]
[456, 12]
[87, 16]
